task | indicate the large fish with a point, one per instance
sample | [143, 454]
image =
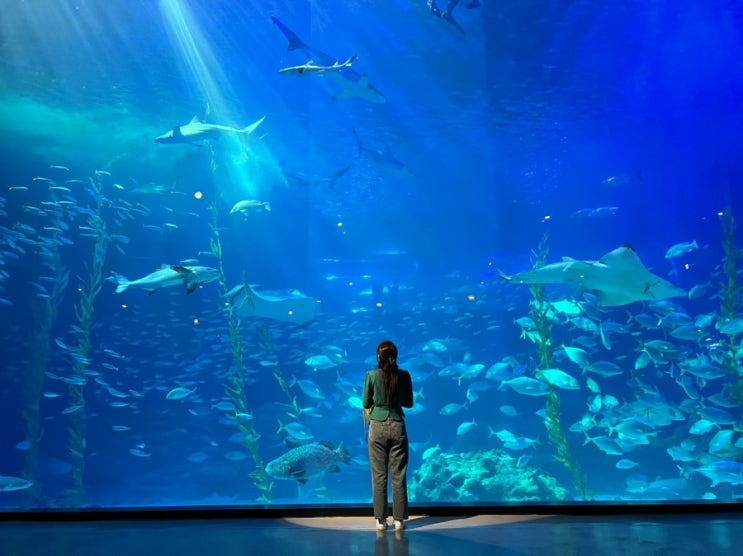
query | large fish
[308, 180]
[168, 275]
[383, 159]
[307, 461]
[196, 130]
[310, 67]
[9, 484]
[352, 83]
[618, 278]
[290, 306]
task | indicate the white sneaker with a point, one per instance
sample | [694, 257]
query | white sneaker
[381, 524]
[399, 524]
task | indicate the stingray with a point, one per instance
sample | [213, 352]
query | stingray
[289, 306]
[618, 278]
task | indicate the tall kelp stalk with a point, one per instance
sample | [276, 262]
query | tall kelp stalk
[731, 297]
[542, 314]
[96, 229]
[235, 389]
[44, 309]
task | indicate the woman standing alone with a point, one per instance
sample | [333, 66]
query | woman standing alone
[387, 389]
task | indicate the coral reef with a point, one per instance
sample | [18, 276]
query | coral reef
[484, 476]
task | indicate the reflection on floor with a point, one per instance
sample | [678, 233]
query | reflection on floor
[706, 535]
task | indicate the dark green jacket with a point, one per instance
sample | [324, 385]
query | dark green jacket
[374, 394]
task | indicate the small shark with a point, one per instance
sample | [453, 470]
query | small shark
[446, 14]
[618, 278]
[196, 130]
[9, 484]
[151, 188]
[307, 180]
[353, 84]
[310, 67]
[291, 306]
[168, 275]
[383, 159]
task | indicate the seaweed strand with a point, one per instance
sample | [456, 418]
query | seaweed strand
[45, 310]
[84, 311]
[235, 389]
[731, 296]
[541, 314]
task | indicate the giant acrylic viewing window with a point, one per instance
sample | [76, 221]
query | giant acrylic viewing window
[213, 212]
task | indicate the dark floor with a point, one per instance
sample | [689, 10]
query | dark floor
[639, 535]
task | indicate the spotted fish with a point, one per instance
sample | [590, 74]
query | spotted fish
[307, 461]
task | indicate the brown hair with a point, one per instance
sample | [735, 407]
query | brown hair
[387, 361]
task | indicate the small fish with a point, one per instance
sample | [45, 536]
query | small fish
[626, 464]
[732, 327]
[681, 249]
[620, 180]
[179, 393]
[452, 408]
[112, 353]
[224, 406]
[465, 427]
[23, 446]
[558, 378]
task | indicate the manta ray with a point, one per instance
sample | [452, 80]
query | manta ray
[618, 278]
[289, 306]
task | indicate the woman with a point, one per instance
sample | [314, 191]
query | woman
[387, 389]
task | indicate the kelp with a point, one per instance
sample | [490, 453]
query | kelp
[84, 310]
[235, 389]
[44, 310]
[542, 315]
[731, 296]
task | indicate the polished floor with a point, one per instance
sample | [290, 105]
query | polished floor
[543, 535]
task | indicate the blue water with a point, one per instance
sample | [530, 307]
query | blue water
[394, 218]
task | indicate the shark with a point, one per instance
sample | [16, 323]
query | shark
[383, 159]
[310, 180]
[291, 306]
[196, 131]
[9, 484]
[352, 83]
[168, 275]
[310, 67]
[617, 278]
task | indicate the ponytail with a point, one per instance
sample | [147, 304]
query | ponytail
[387, 360]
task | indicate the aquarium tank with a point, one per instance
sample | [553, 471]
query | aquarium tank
[211, 213]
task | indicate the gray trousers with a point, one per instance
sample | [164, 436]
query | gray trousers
[388, 452]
